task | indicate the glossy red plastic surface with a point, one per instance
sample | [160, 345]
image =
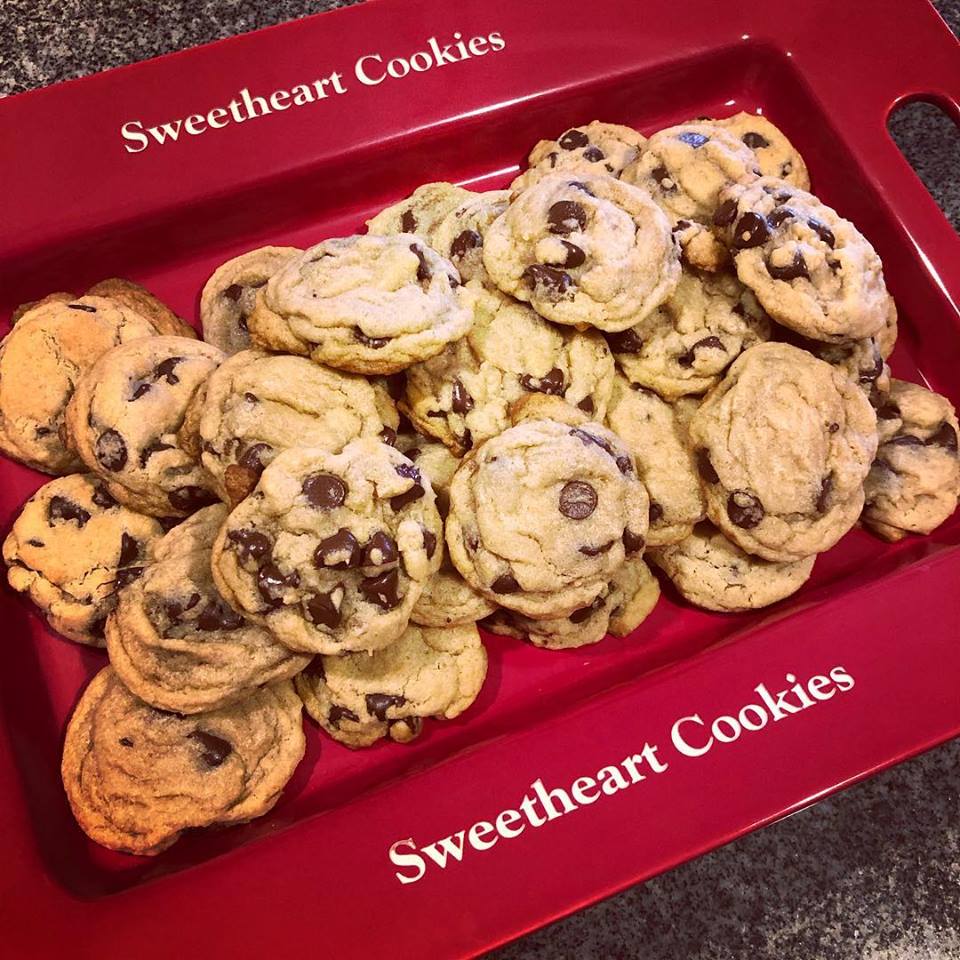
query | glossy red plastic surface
[315, 873]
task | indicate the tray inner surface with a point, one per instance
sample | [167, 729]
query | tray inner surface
[174, 255]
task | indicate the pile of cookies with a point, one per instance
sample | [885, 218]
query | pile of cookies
[489, 408]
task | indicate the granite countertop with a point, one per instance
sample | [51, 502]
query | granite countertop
[871, 873]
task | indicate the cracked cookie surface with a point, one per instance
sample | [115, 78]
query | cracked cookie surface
[177, 644]
[72, 549]
[125, 417]
[331, 550]
[360, 698]
[137, 777]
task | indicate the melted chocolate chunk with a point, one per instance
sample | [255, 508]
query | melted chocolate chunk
[551, 383]
[60, 508]
[127, 575]
[388, 436]
[111, 451]
[632, 542]
[324, 491]
[505, 583]
[724, 215]
[271, 582]
[552, 279]
[822, 231]
[593, 154]
[165, 370]
[374, 343]
[154, 446]
[338, 713]
[905, 440]
[379, 703]
[695, 140]
[573, 139]
[823, 497]
[217, 615]
[577, 185]
[320, 610]
[85, 308]
[382, 589]
[591, 551]
[584, 613]
[577, 500]
[250, 544]
[888, 411]
[142, 390]
[751, 231]
[705, 467]
[423, 268]
[125, 742]
[575, 256]
[707, 343]
[460, 400]
[315, 668]
[252, 457]
[744, 509]
[215, 749]
[402, 500]
[656, 511]
[234, 292]
[381, 549]
[780, 216]
[429, 542]
[339, 551]
[566, 216]
[626, 341]
[586, 405]
[794, 270]
[872, 373]
[175, 609]
[664, 181]
[465, 242]
[946, 437]
[129, 550]
[190, 499]
[408, 222]
[754, 140]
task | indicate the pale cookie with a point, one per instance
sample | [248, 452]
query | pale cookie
[914, 482]
[137, 777]
[588, 251]
[783, 444]
[713, 573]
[543, 515]
[650, 429]
[257, 404]
[811, 270]
[228, 296]
[41, 360]
[331, 550]
[124, 418]
[463, 395]
[420, 213]
[72, 549]
[177, 644]
[133, 297]
[360, 698]
[619, 609]
[460, 235]
[597, 148]
[776, 155]
[686, 344]
[684, 168]
[370, 304]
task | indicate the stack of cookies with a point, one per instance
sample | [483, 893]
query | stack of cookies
[489, 408]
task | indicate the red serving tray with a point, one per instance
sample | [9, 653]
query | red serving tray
[315, 873]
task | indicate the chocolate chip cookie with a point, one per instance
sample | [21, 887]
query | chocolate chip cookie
[914, 482]
[589, 251]
[665, 463]
[331, 550]
[177, 644]
[783, 444]
[72, 549]
[811, 270]
[360, 698]
[463, 395]
[597, 148]
[684, 168]
[124, 419]
[41, 360]
[776, 155]
[228, 296]
[713, 573]
[460, 235]
[370, 304]
[686, 344]
[420, 213]
[257, 404]
[141, 301]
[619, 609]
[543, 515]
[137, 777]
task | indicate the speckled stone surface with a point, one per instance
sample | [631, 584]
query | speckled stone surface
[873, 873]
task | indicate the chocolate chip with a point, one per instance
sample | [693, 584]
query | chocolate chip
[707, 343]
[382, 589]
[577, 500]
[656, 511]
[695, 140]
[906, 440]
[888, 411]
[125, 742]
[154, 446]
[552, 157]
[271, 582]
[111, 451]
[780, 216]
[381, 549]
[796, 269]
[554, 280]
[164, 370]
[593, 154]
[321, 610]
[584, 613]
[754, 140]
[251, 397]
[338, 713]
[234, 292]
[324, 491]
[215, 749]
[573, 139]
[823, 498]
[415, 492]
[872, 373]
[705, 467]
[586, 405]
[339, 551]
[413, 726]
[582, 187]
[408, 222]
[834, 427]
[389, 436]
[217, 615]
[127, 575]
[666, 183]
[724, 215]
[592, 551]
[129, 550]
[551, 383]
[822, 231]
[190, 499]
[751, 231]
[744, 509]
[461, 401]
[374, 343]
[252, 457]
[86, 308]
[315, 668]
[429, 542]
[34, 542]
[946, 436]
[250, 544]
[466, 441]
[632, 542]
[575, 256]
[505, 583]
[142, 390]
[423, 269]
[379, 703]
[464, 242]
[626, 341]
[175, 609]
[61, 508]
[566, 216]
